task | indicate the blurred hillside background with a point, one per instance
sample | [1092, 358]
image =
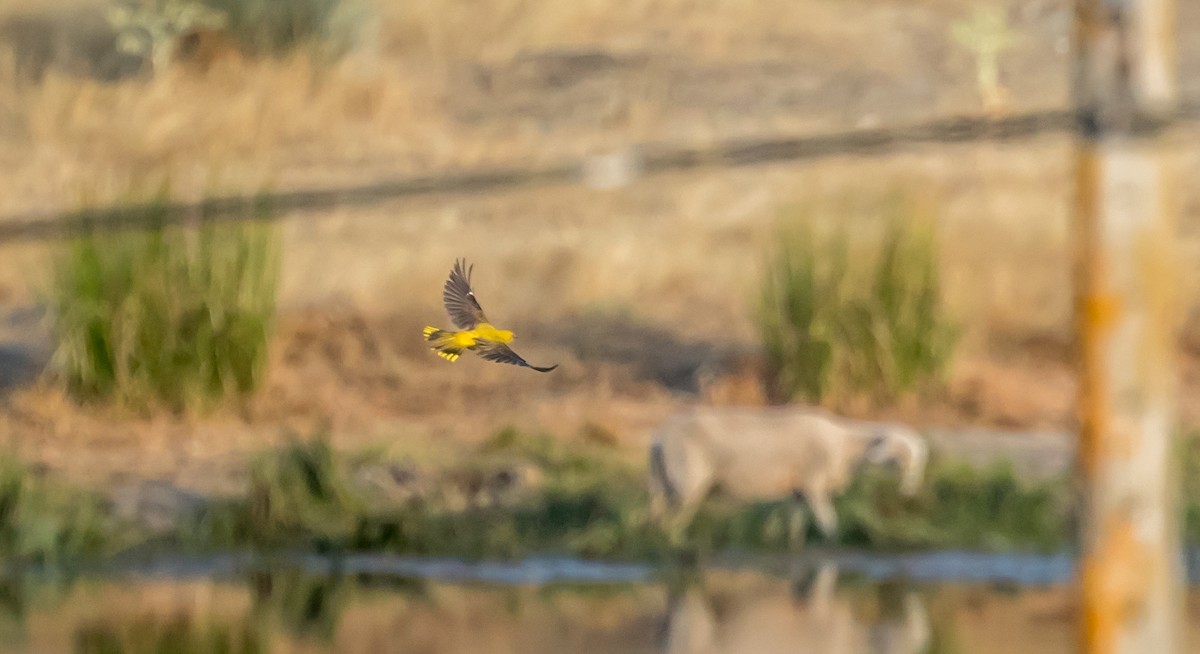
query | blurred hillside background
[626, 180]
[648, 293]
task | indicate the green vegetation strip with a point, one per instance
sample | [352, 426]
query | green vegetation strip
[521, 494]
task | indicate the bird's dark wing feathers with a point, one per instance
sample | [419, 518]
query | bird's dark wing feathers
[460, 300]
[501, 353]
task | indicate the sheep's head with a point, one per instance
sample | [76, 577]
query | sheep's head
[904, 448]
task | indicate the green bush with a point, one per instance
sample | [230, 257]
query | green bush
[275, 27]
[166, 316]
[958, 506]
[154, 29]
[837, 321]
[45, 524]
[297, 495]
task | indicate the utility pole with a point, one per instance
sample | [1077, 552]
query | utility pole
[1130, 576]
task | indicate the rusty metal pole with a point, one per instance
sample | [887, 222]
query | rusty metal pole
[1131, 574]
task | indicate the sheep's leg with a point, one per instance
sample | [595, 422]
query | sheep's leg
[673, 517]
[677, 528]
[658, 498]
[664, 499]
[797, 522]
[658, 507]
[689, 476]
[822, 508]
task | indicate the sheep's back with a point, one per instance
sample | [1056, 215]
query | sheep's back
[764, 453]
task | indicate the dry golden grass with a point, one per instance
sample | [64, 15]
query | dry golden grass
[390, 107]
[501, 29]
[224, 131]
[685, 250]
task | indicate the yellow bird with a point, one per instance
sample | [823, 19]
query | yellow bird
[477, 333]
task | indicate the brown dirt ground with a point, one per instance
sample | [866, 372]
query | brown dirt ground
[367, 380]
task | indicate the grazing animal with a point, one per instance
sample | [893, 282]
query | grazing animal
[477, 335]
[768, 453]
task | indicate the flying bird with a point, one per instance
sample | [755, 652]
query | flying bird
[476, 333]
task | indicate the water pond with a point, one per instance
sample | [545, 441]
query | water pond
[943, 602]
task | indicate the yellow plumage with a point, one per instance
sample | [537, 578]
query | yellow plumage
[449, 345]
[476, 333]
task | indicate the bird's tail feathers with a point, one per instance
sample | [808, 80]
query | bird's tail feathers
[441, 343]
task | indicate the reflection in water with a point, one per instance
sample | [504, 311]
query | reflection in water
[13, 602]
[304, 605]
[181, 633]
[289, 610]
[760, 615]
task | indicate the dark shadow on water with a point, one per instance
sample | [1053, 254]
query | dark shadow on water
[301, 604]
[413, 587]
[311, 605]
[14, 607]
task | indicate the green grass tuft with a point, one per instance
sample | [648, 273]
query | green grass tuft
[42, 523]
[297, 497]
[168, 316]
[838, 320]
[959, 506]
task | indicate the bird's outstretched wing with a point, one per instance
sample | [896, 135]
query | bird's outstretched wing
[460, 300]
[501, 353]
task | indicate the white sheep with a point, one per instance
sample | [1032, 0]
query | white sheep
[763, 454]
